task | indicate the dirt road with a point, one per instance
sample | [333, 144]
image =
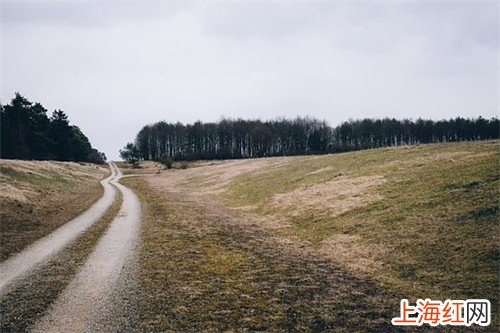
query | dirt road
[39, 252]
[97, 299]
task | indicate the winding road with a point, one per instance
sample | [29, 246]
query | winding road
[89, 303]
[40, 251]
[100, 297]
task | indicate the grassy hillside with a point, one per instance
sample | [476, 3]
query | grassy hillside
[300, 242]
[423, 220]
[36, 197]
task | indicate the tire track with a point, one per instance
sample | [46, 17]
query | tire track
[101, 296]
[22, 307]
[43, 249]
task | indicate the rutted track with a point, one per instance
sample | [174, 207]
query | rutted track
[40, 251]
[101, 296]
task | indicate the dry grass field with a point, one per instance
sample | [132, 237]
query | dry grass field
[314, 243]
[36, 197]
[305, 244]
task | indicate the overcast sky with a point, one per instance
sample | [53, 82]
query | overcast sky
[116, 66]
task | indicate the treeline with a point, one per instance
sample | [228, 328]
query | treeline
[282, 137]
[28, 133]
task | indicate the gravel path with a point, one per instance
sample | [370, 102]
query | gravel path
[40, 251]
[101, 296]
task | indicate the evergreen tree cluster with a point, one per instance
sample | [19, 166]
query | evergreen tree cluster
[240, 138]
[28, 133]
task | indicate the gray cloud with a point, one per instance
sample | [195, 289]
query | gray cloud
[117, 66]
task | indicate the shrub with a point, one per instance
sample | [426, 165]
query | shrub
[166, 161]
